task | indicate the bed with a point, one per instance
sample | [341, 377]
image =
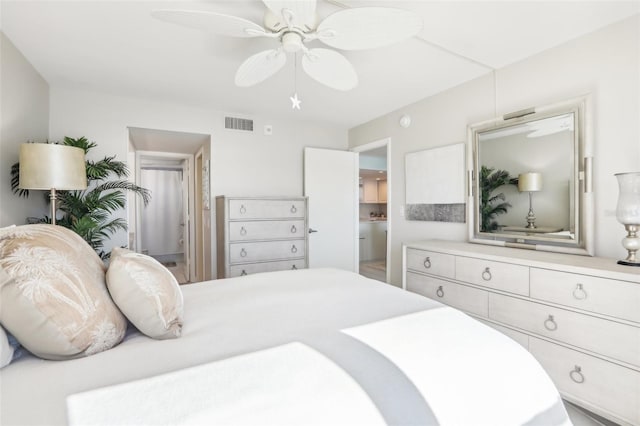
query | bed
[317, 346]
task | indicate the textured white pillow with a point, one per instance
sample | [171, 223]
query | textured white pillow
[53, 297]
[146, 292]
[6, 350]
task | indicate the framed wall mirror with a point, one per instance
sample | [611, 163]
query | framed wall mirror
[530, 179]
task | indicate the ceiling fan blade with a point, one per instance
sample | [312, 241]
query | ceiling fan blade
[330, 68]
[218, 23]
[303, 12]
[259, 67]
[368, 27]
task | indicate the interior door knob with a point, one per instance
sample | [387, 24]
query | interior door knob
[311, 231]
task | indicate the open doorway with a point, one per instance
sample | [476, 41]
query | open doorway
[165, 163]
[164, 226]
[374, 230]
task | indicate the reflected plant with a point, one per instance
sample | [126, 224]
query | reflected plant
[491, 205]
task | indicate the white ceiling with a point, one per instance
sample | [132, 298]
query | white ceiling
[117, 47]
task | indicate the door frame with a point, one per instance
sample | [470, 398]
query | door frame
[189, 245]
[380, 143]
[198, 258]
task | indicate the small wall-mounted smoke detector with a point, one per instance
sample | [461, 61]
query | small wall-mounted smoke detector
[405, 121]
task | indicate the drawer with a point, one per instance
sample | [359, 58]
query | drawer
[609, 338]
[468, 299]
[266, 209]
[520, 338]
[607, 388]
[498, 275]
[247, 252]
[254, 268]
[431, 262]
[266, 230]
[609, 297]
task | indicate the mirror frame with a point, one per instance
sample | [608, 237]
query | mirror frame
[582, 244]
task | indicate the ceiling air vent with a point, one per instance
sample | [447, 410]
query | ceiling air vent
[234, 123]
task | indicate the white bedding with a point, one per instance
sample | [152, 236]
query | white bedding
[393, 357]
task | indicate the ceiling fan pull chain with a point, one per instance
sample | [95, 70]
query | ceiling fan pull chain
[295, 101]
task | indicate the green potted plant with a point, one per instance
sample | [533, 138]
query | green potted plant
[492, 205]
[89, 212]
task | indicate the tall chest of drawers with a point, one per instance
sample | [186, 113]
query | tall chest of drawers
[260, 234]
[578, 316]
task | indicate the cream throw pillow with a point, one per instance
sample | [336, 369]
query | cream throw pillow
[53, 296]
[146, 292]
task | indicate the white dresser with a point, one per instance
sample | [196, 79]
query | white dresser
[579, 316]
[260, 234]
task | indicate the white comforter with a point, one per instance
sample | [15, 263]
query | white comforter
[298, 347]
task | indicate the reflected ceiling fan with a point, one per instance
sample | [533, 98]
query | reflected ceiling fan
[294, 23]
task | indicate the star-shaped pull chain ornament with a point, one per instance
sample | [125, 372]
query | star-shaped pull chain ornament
[295, 102]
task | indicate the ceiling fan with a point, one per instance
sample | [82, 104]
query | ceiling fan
[294, 24]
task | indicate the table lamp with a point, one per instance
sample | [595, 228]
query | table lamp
[628, 214]
[530, 182]
[52, 167]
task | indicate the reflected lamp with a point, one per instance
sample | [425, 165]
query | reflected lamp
[530, 182]
[52, 167]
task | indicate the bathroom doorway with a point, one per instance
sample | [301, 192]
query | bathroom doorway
[165, 163]
[374, 211]
[164, 226]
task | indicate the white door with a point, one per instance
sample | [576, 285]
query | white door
[331, 183]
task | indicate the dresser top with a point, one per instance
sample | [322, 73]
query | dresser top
[598, 266]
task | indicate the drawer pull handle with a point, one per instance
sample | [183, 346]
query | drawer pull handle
[427, 262]
[294, 249]
[243, 231]
[440, 292]
[579, 292]
[243, 209]
[293, 208]
[550, 324]
[576, 374]
[486, 274]
[243, 253]
[293, 229]
[294, 267]
[243, 273]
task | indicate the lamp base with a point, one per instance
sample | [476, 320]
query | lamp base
[632, 244]
[624, 262]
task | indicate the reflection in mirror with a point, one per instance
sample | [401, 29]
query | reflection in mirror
[527, 171]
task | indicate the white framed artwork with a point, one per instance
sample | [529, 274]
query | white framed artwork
[435, 184]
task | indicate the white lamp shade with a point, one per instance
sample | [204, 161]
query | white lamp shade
[628, 208]
[49, 166]
[529, 182]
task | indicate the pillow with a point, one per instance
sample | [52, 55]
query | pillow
[146, 292]
[6, 350]
[53, 296]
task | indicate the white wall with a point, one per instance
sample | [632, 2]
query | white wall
[605, 63]
[24, 117]
[242, 163]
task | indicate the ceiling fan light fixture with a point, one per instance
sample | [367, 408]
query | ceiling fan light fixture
[291, 42]
[294, 23]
